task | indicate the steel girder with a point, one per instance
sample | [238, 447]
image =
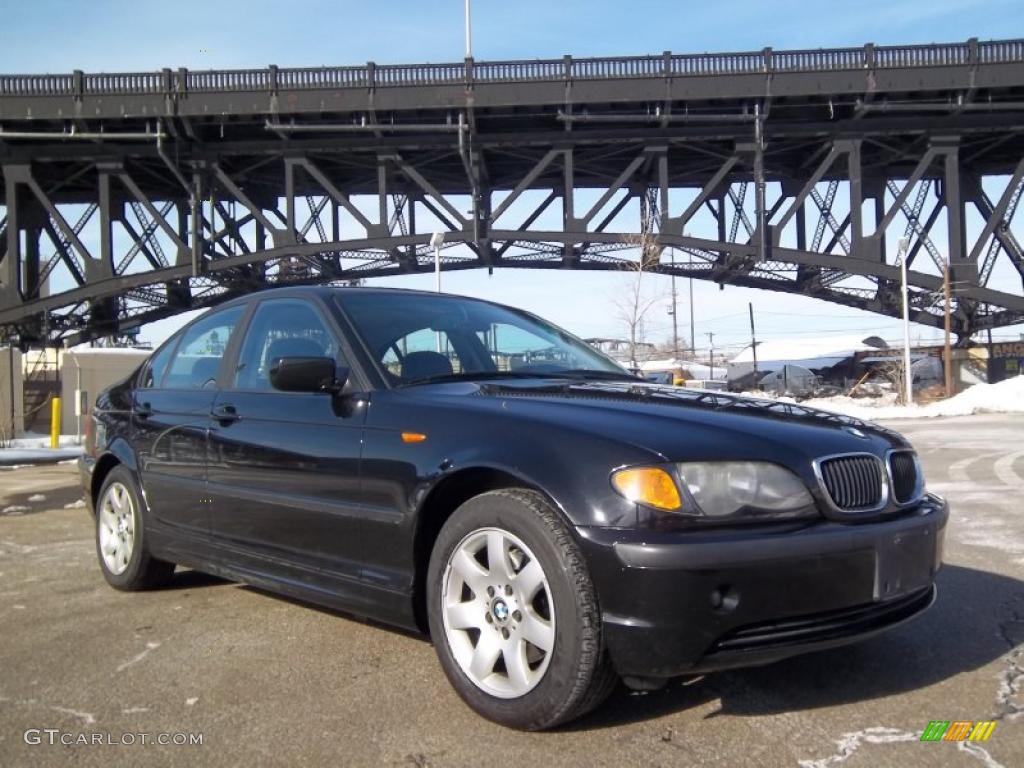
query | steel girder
[804, 195]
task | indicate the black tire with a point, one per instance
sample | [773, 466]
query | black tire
[579, 675]
[143, 571]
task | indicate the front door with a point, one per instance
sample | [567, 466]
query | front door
[284, 466]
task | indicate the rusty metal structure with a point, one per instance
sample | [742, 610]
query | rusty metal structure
[134, 196]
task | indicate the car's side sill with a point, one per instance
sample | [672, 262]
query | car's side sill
[329, 589]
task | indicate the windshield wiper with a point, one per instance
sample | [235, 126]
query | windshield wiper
[572, 373]
[591, 373]
[472, 376]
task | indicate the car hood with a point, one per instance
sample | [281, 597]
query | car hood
[682, 424]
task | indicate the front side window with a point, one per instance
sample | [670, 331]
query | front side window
[282, 328]
[197, 359]
[423, 337]
[153, 374]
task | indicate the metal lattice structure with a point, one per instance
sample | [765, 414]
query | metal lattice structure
[130, 197]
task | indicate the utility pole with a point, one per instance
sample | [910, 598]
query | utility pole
[469, 31]
[693, 327]
[675, 313]
[908, 376]
[753, 342]
[947, 362]
[711, 352]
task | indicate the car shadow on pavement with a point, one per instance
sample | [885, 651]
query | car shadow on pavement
[977, 618]
[189, 579]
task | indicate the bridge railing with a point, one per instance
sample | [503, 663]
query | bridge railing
[123, 82]
[35, 85]
[998, 51]
[322, 77]
[567, 68]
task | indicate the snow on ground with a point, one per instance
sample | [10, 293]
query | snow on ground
[34, 448]
[19, 456]
[1004, 397]
[37, 440]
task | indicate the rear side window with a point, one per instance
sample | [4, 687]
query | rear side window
[197, 359]
[156, 368]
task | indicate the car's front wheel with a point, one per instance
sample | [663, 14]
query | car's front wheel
[121, 536]
[513, 613]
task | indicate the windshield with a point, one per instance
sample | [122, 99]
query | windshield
[417, 338]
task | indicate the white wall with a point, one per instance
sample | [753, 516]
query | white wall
[7, 428]
[92, 370]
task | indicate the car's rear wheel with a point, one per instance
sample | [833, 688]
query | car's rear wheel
[513, 613]
[121, 536]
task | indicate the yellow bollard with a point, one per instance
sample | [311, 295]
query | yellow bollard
[55, 423]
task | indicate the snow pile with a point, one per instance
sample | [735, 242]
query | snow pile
[1004, 397]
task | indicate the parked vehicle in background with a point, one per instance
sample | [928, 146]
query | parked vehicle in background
[662, 377]
[469, 470]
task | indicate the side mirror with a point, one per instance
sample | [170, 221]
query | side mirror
[307, 374]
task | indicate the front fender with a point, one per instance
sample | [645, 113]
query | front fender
[570, 466]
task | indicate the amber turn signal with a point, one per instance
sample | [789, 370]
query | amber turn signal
[413, 437]
[648, 485]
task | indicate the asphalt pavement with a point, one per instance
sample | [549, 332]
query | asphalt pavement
[263, 680]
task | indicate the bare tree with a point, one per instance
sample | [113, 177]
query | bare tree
[632, 306]
[893, 372]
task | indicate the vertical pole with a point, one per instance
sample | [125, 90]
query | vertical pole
[437, 268]
[195, 205]
[78, 400]
[10, 371]
[947, 351]
[753, 342]
[54, 423]
[675, 313]
[711, 353]
[469, 31]
[759, 184]
[693, 328]
[908, 378]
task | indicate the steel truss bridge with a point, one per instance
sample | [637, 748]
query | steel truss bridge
[130, 197]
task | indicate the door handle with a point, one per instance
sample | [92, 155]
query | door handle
[144, 410]
[225, 413]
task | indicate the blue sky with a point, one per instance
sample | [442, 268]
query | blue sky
[113, 35]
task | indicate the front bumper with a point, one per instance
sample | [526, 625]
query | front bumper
[680, 603]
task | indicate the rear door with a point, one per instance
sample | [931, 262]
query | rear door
[284, 466]
[171, 417]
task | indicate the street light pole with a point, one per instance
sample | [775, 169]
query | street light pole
[908, 376]
[436, 241]
[469, 31]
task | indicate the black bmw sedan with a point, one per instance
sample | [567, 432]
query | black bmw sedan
[469, 470]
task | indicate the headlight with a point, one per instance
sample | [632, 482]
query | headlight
[724, 489]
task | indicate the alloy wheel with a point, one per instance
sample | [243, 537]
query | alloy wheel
[117, 528]
[498, 613]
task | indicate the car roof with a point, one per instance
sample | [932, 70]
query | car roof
[324, 291]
